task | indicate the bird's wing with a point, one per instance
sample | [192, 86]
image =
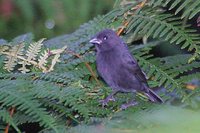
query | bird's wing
[132, 65]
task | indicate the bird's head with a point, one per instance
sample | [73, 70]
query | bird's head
[106, 40]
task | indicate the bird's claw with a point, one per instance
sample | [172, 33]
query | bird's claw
[123, 107]
[104, 102]
[111, 99]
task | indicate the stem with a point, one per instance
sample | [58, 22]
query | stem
[125, 23]
[11, 114]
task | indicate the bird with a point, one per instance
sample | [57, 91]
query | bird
[119, 69]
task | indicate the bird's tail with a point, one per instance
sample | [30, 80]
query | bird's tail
[153, 97]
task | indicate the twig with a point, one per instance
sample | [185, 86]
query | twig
[191, 87]
[126, 22]
[11, 114]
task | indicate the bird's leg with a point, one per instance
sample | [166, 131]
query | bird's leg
[108, 98]
[130, 103]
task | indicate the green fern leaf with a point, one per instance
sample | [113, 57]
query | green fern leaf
[170, 28]
[160, 75]
[10, 95]
[188, 7]
[5, 117]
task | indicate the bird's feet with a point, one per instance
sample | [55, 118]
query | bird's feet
[125, 106]
[104, 102]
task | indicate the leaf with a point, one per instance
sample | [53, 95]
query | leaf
[3, 48]
[23, 69]
[24, 101]
[57, 53]
[33, 50]
[5, 116]
[42, 61]
[12, 56]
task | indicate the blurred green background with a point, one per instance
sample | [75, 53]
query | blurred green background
[47, 18]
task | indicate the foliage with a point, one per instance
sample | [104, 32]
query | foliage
[14, 56]
[47, 18]
[69, 94]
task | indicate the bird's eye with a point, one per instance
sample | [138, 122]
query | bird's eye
[105, 38]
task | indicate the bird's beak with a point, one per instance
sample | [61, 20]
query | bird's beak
[95, 41]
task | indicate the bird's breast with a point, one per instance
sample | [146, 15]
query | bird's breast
[107, 66]
[108, 63]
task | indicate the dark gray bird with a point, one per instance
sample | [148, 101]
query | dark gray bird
[119, 69]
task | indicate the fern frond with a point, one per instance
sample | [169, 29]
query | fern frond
[5, 117]
[66, 95]
[175, 60]
[65, 77]
[23, 69]
[3, 48]
[23, 101]
[171, 30]
[60, 108]
[21, 118]
[11, 61]
[159, 75]
[181, 69]
[187, 78]
[187, 7]
[57, 53]
[33, 50]
[16, 56]
[172, 65]
[166, 26]
[42, 61]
